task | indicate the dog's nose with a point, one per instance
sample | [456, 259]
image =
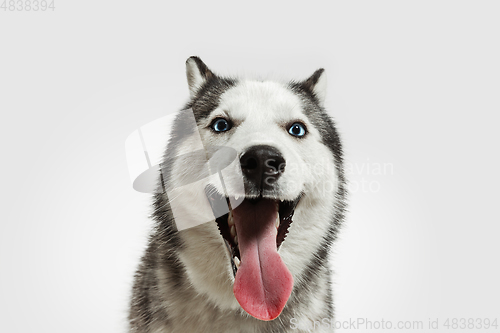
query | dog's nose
[262, 165]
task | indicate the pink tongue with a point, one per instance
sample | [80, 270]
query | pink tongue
[263, 283]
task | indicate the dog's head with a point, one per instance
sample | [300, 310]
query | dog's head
[274, 172]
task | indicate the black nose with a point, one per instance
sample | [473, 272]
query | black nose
[262, 165]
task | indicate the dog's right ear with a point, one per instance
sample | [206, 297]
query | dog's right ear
[197, 74]
[316, 84]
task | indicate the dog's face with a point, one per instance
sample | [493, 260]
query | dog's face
[279, 157]
[264, 123]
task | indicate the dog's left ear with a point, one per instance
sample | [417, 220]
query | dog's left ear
[197, 74]
[316, 84]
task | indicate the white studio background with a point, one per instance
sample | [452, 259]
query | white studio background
[413, 85]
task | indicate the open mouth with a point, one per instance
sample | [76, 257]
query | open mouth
[253, 231]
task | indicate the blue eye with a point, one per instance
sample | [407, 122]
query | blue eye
[221, 125]
[297, 129]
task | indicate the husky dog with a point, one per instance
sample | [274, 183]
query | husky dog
[262, 264]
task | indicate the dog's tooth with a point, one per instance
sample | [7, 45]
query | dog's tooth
[237, 262]
[230, 219]
[236, 239]
[277, 223]
[233, 231]
[236, 197]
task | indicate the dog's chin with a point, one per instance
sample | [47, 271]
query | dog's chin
[253, 230]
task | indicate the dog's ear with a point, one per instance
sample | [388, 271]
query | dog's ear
[197, 74]
[316, 84]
